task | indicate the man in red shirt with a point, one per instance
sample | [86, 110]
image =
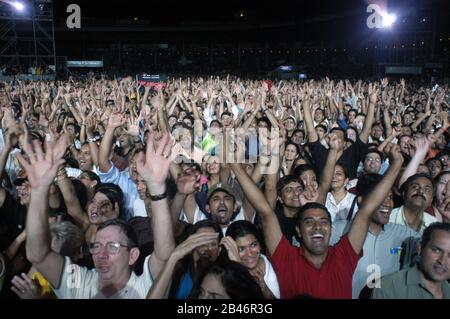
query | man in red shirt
[315, 269]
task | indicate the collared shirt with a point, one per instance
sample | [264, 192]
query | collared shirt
[398, 217]
[81, 283]
[339, 211]
[297, 276]
[406, 284]
[381, 252]
[128, 187]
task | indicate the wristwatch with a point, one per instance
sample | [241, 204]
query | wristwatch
[156, 198]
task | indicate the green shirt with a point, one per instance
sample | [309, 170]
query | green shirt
[406, 284]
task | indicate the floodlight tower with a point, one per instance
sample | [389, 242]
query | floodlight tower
[27, 33]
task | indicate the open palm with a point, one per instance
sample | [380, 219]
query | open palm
[41, 168]
[154, 167]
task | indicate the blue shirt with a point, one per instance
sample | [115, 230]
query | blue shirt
[128, 187]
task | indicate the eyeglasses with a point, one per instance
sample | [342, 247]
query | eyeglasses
[111, 247]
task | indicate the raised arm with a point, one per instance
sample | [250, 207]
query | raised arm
[115, 120]
[272, 230]
[312, 134]
[154, 168]
[336, 146]
[360, 226]
[41, 170]
[161, 285]
[422, 146]
[370, 116]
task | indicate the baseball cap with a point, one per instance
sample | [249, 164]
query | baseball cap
[221, 187]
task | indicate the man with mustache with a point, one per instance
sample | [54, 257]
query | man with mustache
[418, 194]
[428, 279]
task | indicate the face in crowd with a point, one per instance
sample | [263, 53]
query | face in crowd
[114, 259]
[213, 165]
[221, 206]
[435, 257]
[85, 159]
[383, 212]
[419, 194]
[102, 209]
[249, 250]
[339, 179]
[206, 253]
[314, 229]
[372, 163]
[290, 195]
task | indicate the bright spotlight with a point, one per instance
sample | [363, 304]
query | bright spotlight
[19, 6]
[388, 20]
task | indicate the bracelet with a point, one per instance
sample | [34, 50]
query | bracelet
[156, 198]
[90, 140]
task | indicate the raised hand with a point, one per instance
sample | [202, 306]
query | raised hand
[188, 184]
[192, 242]
[41, 168]
[115, 120]
[154, 167]
[335, 143]
[232, 248]
[309, 195]
[25, 287]
[133, 126]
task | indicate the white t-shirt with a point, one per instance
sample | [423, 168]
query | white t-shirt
[270, 278]
[81, 283]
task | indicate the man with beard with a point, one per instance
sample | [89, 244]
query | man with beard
[418, 194]
[428, 279]
[383, 243]
[316, 269]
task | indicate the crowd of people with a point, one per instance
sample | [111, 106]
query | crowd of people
[226, 187]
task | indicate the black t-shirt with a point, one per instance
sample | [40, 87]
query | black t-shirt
[12, 220]
[287, 224]
[349, 159]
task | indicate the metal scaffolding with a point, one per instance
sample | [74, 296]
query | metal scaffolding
[27, 37]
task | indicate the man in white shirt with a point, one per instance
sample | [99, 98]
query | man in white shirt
[114, 248]
[418, 194]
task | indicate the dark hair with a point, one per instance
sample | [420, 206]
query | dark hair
[92, 176]
[264, 119]
[323, 127]
[298, 131]
[81, 192]
[350, 127]
[428, 232]
[299, 170]
[125, 228]
[226, 113]
[235, 278]
[415, 177]
[374, 150]
[297, 148]
[114, 194]
[207, 223]
[366, 183]
[308, 206]
[286, 180]
[241, 228]
[215, 121]
[340, 130]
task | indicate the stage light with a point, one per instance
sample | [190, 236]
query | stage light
[388, 20]
[19, 6]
